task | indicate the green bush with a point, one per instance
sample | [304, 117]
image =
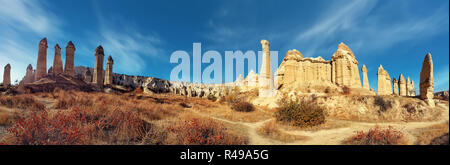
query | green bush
[243, 107]
[300, 113]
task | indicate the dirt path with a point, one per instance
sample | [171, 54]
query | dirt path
[326, 136]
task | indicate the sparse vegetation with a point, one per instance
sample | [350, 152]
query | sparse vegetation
[203, 131]
[300, 113]
[382, 103]
[270, 130]
[243, 106]
[378, 136]
[427, 134]
[23, 102]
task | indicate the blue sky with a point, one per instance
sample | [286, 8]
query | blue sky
[141, 35]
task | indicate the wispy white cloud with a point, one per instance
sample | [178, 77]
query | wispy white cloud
[356, 22]
[27, 15]
[127, 44]
[23, 23]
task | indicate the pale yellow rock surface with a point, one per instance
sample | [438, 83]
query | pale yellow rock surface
[426, 81]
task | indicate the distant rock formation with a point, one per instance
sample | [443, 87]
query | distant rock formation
[252, 79]
[98, 70]
[412, 91]
[402, 85]
[109, 71]
[384, 82]
[57, 61]
[70, 55]
[29, 75]
[395, 87]
[41, 66]
[239, 81]
[265, 81]
[345, 70]
[88, 76]
[426, 81]
[7, 75]
[365, 78]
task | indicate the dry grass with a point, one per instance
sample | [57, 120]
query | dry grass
[23, 102]
[425, 135]
[195, 130]
[224, 111]
[327, 125]
[378, 136]
[271, 130]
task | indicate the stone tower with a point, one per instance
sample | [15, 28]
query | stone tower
[395, 87]
[413, 89]
[7, 75]
[98, 70]
[109, 71]
[88, 76]
[29, 77]
[70, 53]
[426, 81]
[57, 62]
[408, 86]
[402, 85]
[265, 79]
[345, 70]
[365, 78]
[384, 82]
[41, 66]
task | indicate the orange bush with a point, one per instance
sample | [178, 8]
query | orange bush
[202, 131]
[377, 136]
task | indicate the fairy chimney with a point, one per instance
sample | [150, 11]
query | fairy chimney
[7, 75]
[41, 66]
[109, 71]
[426, 81]
[70, 53]
[98, 70]
[57, 61]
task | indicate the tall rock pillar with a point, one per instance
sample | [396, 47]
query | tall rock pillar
[98, 70]
[265, 79]
[109, 71]
[365, 78]
[7, 75]
[345, 70]
[402, 85]
[70, 53]
[426, 80]
[41, 66]
[395, 87]
[384, 82]
[57, 62]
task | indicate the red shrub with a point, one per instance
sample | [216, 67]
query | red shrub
[377, 136]
[197, 131]
[41, 129]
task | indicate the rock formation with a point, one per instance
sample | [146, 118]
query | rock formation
[402, 85]
[252, 79]
[384, 82]
[50, 71]
[408, 86]
[365, 78]
[345, 70]
[413, 89]
[426, 80]
[41, 66]
[29, 75]
[266, 87]
[109, 71]
[98, 70]
[239, 81]
[88, 76]
[7, 75]
[57, 61]
[70, 53]
[395, 87]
